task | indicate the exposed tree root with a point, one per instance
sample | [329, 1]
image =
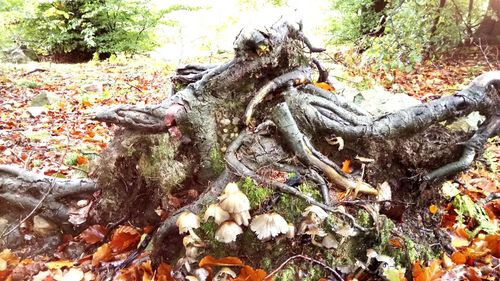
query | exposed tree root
[277, 114]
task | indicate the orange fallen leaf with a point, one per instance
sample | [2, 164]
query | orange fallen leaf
[86, 103]
[124, 238]
[458, 258]
[227, 261]
[81, 160]
[324, 86]
[103, 253]
[163, 273]
[93, 234]
[433, 209]
[396, 243]
[346, 166]
[248, 273]
[426, 273]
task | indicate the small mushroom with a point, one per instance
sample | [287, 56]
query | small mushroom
[319, 212]
[227, 232]
[236, 203]
[187, 221]
[291, 231]
[330, 242]
[225, 274]
[215, 211]
[269, 225]
[311, 224]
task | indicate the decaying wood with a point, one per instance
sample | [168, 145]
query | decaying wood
[282, 118]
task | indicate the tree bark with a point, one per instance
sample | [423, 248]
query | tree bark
[279, 119]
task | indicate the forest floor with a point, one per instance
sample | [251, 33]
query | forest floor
[61, 140]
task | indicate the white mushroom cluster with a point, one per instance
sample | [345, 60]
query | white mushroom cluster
[188, 222]
[232, 210]
[267, 226]
[311, 224]
[236, 203]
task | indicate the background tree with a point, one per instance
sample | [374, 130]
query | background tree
[73, 31]
[398, 34]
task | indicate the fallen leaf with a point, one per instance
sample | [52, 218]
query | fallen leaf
[81, 160]
[346, 166]
[458, 258]
[227, 261]
[433, 209]
[93, 234]
[324, 86]
[248, 273]
[124, 238]
[59, 264]
[103, 253]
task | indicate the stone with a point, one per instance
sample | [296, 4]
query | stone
[44, 99]
[35, 111]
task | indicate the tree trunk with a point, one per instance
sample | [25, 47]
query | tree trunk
[259, 112]
[489, 29]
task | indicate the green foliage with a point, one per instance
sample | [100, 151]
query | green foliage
[465, 207]
[404, 32]
[83, 27]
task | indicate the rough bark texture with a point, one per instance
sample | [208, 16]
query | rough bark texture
[262, 111]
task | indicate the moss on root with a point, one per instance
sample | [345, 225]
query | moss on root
[159, 166]
[218, 164]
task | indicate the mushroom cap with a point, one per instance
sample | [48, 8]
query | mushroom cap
[192, 240]
[187, 221]
[231, 187]
[227, 232]
[319, 212]
[225, 272]
[269, 225]
[234, 201]
[291, 231]
[330, 242]
[241, 218]
[215, 211]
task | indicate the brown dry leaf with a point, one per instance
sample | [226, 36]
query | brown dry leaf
[9, 257]
[248, 273]
[346, 166]
[227, 261]
[59, 264]
[493, 244]
[103, 253]
[396, 243]
[93, 234]
[124, 238]
[163, 273]
[426, 273]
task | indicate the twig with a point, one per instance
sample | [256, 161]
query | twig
[331, 269]
[32, 211]
[484, 54]
[34, 70]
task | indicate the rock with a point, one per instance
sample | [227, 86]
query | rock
[44, 99]
[379, 101]
[16, 54]
[467, 123]
[42, 226]
[95, 87]
[35, 111]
